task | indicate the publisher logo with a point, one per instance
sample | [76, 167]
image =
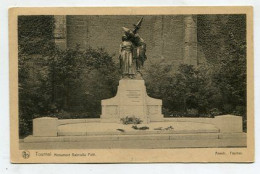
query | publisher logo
[25, 154]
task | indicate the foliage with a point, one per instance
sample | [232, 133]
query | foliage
[194, 92]
[140, 128]
[35, 34]
[34, 41]
[225, 36]
[66, 84]
[121, 130]
[167, 128]
[131, 120]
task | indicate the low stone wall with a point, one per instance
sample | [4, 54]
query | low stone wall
[48, 126]
[225, 123]
[74, 121]
[229, 123]
[186, 119]
[45, 127]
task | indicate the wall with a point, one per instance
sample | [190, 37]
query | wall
[172, 38]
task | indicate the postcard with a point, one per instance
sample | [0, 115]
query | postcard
[131, 84]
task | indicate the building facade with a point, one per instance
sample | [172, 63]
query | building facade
[172, 38]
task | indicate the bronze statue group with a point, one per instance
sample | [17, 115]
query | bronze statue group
[132, 52]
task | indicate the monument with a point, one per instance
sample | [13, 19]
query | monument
[131, 98]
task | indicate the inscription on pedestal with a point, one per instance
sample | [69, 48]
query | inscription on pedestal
[131, 100]
[133, 95]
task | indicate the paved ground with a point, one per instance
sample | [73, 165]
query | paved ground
[138, 144]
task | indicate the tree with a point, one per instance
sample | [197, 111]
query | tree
[225, 36]
[35, 41]
[92, 73]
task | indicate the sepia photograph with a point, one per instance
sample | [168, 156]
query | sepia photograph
[102, 84]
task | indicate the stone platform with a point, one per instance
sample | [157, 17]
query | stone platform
[219, 131]
[113, 135]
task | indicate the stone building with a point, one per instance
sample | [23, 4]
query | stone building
[171, 38]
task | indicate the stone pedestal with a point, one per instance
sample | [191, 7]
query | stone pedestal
[229, 123]
[131, 100]
[45, 127]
